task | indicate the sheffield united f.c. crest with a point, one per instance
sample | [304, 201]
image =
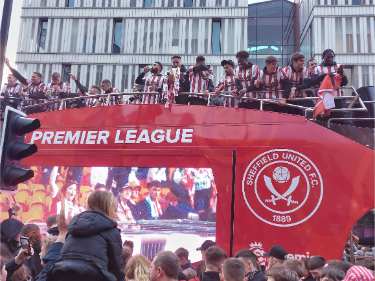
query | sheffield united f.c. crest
[282, 187]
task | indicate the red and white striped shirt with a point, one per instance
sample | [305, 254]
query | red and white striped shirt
[56, 89]
[359, 273]
[35, 91]
[321, 69]
[247, 75]
[228, 85]
[295, 78]
[199, 81]
[153, 84]
[271, 83]
[14, 91]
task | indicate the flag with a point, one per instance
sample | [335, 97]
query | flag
[327, 92]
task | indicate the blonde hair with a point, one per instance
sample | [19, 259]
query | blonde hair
[104, 202]
[138, 268]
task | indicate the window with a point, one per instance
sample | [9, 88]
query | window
[349, 35]
[365, 76]
[216, 37]
[148, 3]
[188, 3]
[66, 70]
[133, 3]
[43, 3]
[42, 35]
[170, 3]
[338, 35]
[369, 35]
[175, 33]
[358, 2]
[202, 3]
[117, 36]
[99, 74]
[69, 3]
[194, 40]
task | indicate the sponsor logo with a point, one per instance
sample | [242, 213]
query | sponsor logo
[282, 187]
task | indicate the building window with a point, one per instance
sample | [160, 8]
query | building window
[175, 33]
[338, 35]
[117, 36]
[216, 37]
[99, 74]
[42, 35]
[69, 3]
[349, 35]
[66, 70]
[365, 76]
[133, 3]
[148, 3]
[202, 3]
[369, 35]
[358, 2]
[43, 3]
[170, 3]
[188, 3]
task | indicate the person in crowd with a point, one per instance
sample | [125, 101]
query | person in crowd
[252, 268]
[270, 79]
[227, 85]
[117, 178]
[52, 228]
[33, 88]
[137, 269]
[153, 83]
[21, 274]
[315, 266]
[157, 174]
[201, 266]
[329, 66]
[69, 195]
[331, 273]
[340, 264]
[99, 175]
[11, 92]
[127, 251]
[276, 256]
[153, 200]
[107, 87]
[296, 266]
[126, 207]
[359, 273]
[177, 80]
[28, 255]
[92, 249]
[183, 258]
[246, 75]
[214, 259]
[233, 270]
[280, 273]
[10, 233]
[164, 267]
[311, 68]
[83, 91]
[57, 88]
[200, 78]
[295, 73]
[5, 257]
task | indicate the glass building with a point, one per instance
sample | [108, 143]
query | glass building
[271, 30]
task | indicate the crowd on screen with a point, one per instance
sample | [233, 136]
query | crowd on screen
[89, 247]
[242, 82]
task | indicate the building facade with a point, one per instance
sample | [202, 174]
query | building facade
[115, 39]
[347, 27]
[272, 29]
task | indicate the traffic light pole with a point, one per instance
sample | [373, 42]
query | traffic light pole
[4, 31]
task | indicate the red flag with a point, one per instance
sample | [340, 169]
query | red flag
[327, 92]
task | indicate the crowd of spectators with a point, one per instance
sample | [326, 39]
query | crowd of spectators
[88, 247]
[240, 86]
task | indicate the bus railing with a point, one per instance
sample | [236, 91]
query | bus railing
[352, 102]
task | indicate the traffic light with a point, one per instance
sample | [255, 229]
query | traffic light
[13, 148]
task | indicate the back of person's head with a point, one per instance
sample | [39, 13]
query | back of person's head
[165, 266]
[10, 230]
[21, 274]
[315, 262]
[182, 253]
[32, 231]
[333, 273]
[280, 273]
[233, 270]
[341, 265]
[137, 268]
[249, 256]
[107, 81]
[104, 202]
[359, 273]
[296, 266]
[189, 273]
[129, 244]
[215, 256]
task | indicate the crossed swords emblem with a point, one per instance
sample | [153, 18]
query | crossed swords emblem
[286, 196]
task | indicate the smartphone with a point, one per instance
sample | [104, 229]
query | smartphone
[25, 242]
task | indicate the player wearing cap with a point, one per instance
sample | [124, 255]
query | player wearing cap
[276, 256]
[153, 84]
[252, 268]
[315, 266]
[227, 85]
[201, 266]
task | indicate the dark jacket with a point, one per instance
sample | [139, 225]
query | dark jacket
[210, 276]
[33, 264]
[257, 276]
[93, 246]
[52, 255]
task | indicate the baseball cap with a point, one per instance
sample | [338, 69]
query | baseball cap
[205, 245]
[277, 252]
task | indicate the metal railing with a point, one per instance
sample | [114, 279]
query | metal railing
[349, 103]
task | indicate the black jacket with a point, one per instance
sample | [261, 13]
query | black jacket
[257, 276]
[93, 242]
[210, 276]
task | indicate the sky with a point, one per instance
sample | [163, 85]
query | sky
[14, 31]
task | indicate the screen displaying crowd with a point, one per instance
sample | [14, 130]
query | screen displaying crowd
[142, 193]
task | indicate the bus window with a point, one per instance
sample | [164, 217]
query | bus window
[158, 208]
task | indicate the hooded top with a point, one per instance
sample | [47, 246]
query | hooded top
[94, 238]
